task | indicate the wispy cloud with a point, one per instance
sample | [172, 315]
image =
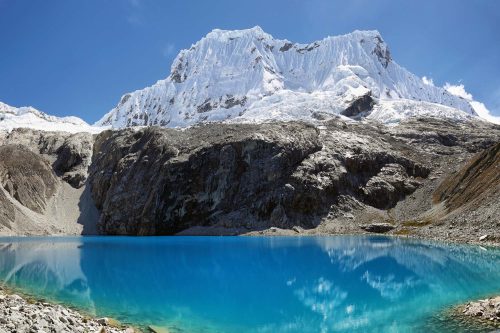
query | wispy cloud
[428, 81]
[135, 3]
[168, 49]
[134, 12]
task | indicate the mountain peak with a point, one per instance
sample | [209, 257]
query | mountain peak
[231, 34]
[247, 74]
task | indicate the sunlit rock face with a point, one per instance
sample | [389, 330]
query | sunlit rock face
[248, 177]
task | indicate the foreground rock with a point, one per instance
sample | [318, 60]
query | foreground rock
[487, 309]
[19, 315]
[476, 316]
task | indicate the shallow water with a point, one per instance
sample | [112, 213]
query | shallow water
[254, 284]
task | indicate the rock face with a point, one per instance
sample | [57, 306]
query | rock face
[42, 178]
[27, 177]
[477, 181]
[160, 181]
[157, 181]
[69, 154]
[220, 178]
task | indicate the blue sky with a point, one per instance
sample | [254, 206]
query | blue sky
[68, 57]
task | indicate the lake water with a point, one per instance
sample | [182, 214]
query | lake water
[254, 284]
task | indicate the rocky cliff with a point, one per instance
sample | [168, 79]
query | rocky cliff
[42, 183]
[280, 177]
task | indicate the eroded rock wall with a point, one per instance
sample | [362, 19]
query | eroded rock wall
[245, 177]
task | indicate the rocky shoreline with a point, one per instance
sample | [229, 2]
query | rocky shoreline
[474, 316]
[23, 315]
[485, 309]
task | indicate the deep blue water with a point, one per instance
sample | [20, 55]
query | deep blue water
[254, 284]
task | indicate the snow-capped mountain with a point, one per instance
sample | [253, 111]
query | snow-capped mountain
[29, 117]
[247, 75]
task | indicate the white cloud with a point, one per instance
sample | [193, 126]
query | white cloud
[480, 108]
[458, 90]
[428, 81]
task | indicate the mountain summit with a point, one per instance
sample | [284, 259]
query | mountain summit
[247, 75]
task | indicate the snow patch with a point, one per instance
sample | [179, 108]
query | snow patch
[29, 117]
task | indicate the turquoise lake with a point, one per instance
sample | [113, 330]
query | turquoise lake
[254, 284]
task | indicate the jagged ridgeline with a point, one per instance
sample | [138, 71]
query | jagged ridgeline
[247, 75]
[277, 145]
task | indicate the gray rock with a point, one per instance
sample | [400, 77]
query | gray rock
[26, 176]
[103, 321]
[378, 227]
[242, 177]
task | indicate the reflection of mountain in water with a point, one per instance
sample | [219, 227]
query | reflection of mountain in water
[256, 284]
[406, 274]
[51, 268]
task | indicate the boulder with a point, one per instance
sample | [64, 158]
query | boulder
[379, 228]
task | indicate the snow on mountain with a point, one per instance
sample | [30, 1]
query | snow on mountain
[28, 117]
[247, 75]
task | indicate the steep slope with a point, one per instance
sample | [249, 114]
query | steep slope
[471, 194]
[28, 117]
[249, 75]
[42, 183]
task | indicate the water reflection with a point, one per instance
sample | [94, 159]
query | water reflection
[50, 267]
[310, 284]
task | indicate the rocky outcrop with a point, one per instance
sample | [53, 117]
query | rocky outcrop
[42, 178]
[474, 183]
[486, 309]
[244, 177]
[334, 177]
[27, 177]
[361, 105]
[159, 181]
[69, 154]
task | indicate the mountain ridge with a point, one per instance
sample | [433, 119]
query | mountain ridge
[228, 73]
[28, 117]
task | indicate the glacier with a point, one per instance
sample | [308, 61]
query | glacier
[29, 117]
[248, 76]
